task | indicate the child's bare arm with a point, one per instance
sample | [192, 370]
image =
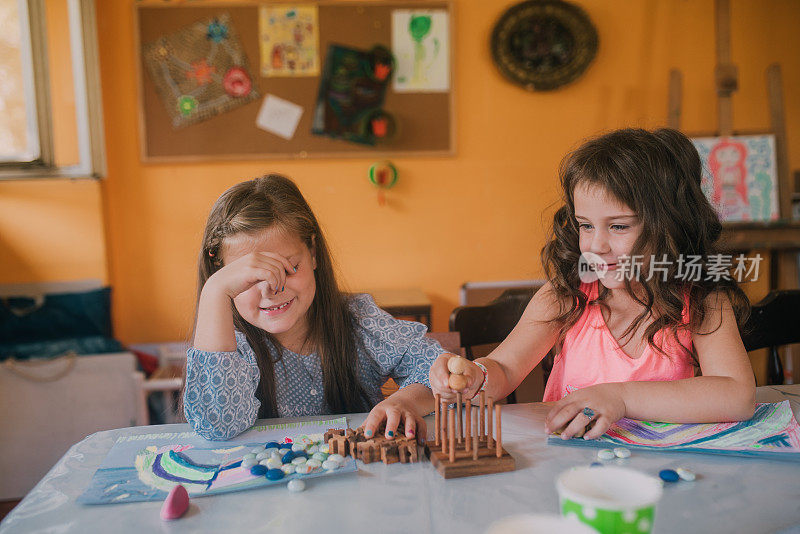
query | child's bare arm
[724, 392]
[514, 358]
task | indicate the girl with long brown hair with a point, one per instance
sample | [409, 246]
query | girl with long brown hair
[276, 337]
[638, 298]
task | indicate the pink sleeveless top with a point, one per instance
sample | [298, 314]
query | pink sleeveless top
[591, 355]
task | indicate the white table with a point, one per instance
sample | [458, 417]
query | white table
[731, 495]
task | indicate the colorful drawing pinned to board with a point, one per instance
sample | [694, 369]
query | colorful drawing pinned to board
[289, 40]
[773, 433]
[421, 45]
[146, 467]
[351, 93]
[200, 71]
[739, 176]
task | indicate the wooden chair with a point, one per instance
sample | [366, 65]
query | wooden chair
[774, 321]
[490, 324]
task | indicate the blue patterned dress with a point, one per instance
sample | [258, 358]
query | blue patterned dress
[220, 396]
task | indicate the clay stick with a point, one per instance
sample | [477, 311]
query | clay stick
[499, 431]
[459, 420]
[489, 410]
[483, 403]
[468, 421]
[475, 443]
[443, 417]
[436, 422]
[451, 423]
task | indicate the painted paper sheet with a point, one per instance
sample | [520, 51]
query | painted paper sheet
[740, 177]
[200, 71]
[352, 90]
[146, 467]
[773, 433]
[421, 47]
[289, 40]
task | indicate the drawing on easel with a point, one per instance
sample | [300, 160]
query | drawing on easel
[289, 40]
[200, 71]
[421, 46]
[740, 177]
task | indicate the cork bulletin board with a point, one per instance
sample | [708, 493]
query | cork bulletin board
[422, 119]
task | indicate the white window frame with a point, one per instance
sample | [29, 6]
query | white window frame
[88, 96]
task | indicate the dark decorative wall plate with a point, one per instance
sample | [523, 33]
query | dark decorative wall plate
[543, 44]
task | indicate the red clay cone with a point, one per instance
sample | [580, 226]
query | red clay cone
[176, 503]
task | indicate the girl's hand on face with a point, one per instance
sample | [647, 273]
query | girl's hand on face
[605, 407]
[393, 410]
[243, 273]
[439, 376]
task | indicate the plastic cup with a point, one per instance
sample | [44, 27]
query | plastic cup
[538, 523]
[609, 499]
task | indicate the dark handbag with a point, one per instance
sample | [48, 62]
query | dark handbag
[27, 319]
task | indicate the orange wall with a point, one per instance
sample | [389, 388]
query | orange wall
[475, 216]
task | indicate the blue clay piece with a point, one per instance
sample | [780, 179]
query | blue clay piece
[274, 474]
[288, 457]
[298, 454]
[272, 445]
[258, 470]
[596, 464]
[669, 475]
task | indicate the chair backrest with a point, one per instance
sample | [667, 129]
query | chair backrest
[774, 321]
[482, 325]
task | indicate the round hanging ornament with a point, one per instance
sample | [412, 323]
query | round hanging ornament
[383, 175]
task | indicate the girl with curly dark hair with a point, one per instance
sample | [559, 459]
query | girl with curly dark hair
[638, 297]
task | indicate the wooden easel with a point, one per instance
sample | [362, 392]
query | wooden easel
[781, 239]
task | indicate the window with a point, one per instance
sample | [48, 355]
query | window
[50, 101]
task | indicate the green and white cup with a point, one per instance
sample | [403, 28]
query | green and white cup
[609, 499]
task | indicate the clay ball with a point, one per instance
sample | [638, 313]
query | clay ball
[457, 382]
[457, 366]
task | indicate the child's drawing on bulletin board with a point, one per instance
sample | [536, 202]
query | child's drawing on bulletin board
[200, 71]
[352, 90]
[289, 40]
[421, 45]
[739, 176]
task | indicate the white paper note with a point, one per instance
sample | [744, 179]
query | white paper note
[279, 116]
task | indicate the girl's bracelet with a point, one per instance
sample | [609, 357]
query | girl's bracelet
[485, 377]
